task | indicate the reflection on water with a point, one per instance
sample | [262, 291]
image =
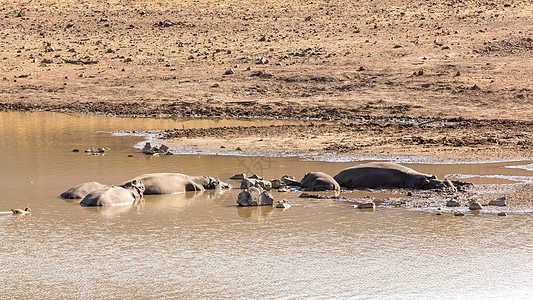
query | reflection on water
[200, 245]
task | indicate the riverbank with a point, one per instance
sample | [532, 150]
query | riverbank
[452, 71]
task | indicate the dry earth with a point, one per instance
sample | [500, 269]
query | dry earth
[465, 65]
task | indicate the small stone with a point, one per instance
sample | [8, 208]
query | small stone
[215, 85]
[419, 73]
[262, 61]
[362, 68]
[130, 155]
[367, 205]
[229, 72]
[453, 203]
[255, 176]
[279, 63]
[238, 149]
[458, 213]
[458, 73]
[222, 147]
[76, 150]
[502, 214]
[46, 61]
[439, 213]
[498, 202]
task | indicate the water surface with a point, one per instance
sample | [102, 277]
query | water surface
[202, 246]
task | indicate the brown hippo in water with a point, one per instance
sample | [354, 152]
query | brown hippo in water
[115, 195]
[318, 181]
[81, 190]
[171, 183]
[382, 174]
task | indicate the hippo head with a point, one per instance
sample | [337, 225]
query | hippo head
[432, 182]
[135, 185]
[213, 183]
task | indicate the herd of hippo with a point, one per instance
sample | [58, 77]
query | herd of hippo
[368, 175]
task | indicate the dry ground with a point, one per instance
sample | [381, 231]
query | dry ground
[466, 61]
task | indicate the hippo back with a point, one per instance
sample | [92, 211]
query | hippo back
[115, 195]
[166, 183]
[377, 174]
[81, 190]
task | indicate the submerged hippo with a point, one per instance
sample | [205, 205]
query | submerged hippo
[81, 190]
[318, 181]
[171, 183]
[382, 174]
[115, 195]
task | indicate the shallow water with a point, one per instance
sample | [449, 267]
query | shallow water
[202, 246]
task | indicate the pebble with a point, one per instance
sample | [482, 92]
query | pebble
[502, 214]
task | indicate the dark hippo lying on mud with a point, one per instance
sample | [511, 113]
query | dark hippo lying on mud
[81, 190]
[171, 183]
[318, 181]
[382, 174]
[115, 195]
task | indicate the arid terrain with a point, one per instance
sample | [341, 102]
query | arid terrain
[457, 74]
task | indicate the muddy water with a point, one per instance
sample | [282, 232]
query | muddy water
[202, 246]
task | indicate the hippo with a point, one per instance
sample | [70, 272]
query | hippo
[171, 183]
[115, 195]
[318, 181]
[383, 174]
[81, 190]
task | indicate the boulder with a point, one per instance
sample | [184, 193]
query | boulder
[276, 184]
[255, 196]
[475, 206]
[264, 184]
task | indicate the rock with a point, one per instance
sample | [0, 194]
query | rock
[157, 149]
[239, 176]
[438, 213]
[458, 73]
[46, 61]
[255, 196]
[255, 176]
[129, 155]
[475, 206]
[502, 214]
[76, 150]
[229, 72]
[262, 61]
[276, 183]
[498, 202]
[458, 213]
[453, 203]
[238, 149]
[367, 205]
[283, 204]
[264, 184]
[361, 68]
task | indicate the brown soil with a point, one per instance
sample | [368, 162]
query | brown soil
[463, 65]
